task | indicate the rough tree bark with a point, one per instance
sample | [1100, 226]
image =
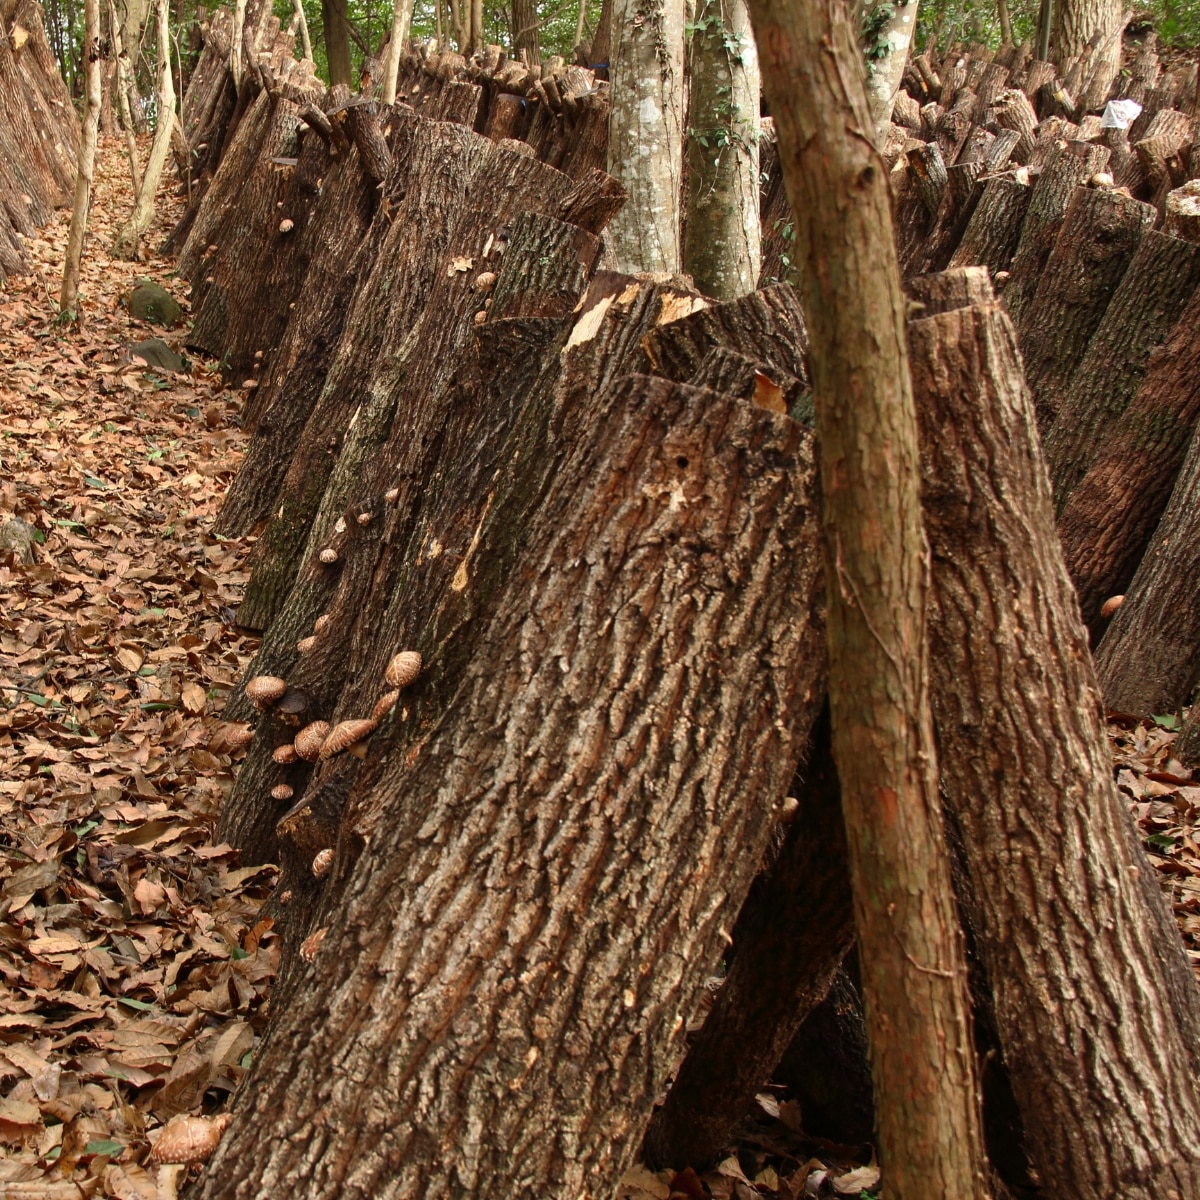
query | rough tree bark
[1187, 745]
[68, 299]
[991, 236]
[123, 79]
[1161, 279]
[876, 565]
[302, 26]
[645, 133]
[1100, 233]
[1068, 166]
[1081, 24]
[516, 951]
[126, 243]
[1110, 517]
[1094, 999]
[722, 248]
[1149, 660]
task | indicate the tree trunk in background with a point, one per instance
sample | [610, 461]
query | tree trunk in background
[1100, 234]
[876, 566]
[722, 247]
[302, 26]
[476, 27]
[126, 243]
[645, 133]
[885, 71]
[237, 45]
[525, 30]
[122, 60]
[401, 20]
[136, 13]
[602, 42]
[1078, 22]
[1111, 516]
[68, 299]
[1094, 999]
[1161, 279]
[1187, 746]
[504, 977]
[1149, 660]
[336, 24]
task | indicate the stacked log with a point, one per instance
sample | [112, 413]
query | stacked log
[39, 133]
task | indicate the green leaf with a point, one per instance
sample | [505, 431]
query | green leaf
[1168, 721]
[140, 1005]
[112, 1149]
[1160, 841]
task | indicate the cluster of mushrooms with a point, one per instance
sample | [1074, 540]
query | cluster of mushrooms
[318, 740]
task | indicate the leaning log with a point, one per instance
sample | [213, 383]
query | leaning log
[1110, 517]
[487, 865]
[1107, 1111]
[1161, 279]
[1149, 660]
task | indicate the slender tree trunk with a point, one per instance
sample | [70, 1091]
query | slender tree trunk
[645, 133]
[876, 563]
[580, 24]
[1187, 746]
[1005, 19]
[602, 42]
[1149, 660]
[1094, 999]
[68, 300]
[525, 30]
[476, 43]
[302, 26]
[401, 20]
[135, 170]
[722, 247]
[336, 23]
[126, 243]
[237, 47]
[885, 71]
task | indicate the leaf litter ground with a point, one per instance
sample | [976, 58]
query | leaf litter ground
[134, 967]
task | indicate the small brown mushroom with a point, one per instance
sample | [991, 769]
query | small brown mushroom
[1111, 605]
[287, 225]
[480, 317]
[485, 281]
[284, 754]
[282, 791]
[264, 690]
[285, 897]
[321, 624]
[312, 943]
[237, 737]
[364, 518]
[322, 863]
[384, 705]
[183, 1141]
[310, 740]
[403, 668]
[345, 734]
[305, 644]
[392, 495]
[328, 555]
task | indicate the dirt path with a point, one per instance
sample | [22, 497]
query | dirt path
[133, 975]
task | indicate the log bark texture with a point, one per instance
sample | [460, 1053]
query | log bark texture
[994, 230]
[1066, 168]
[412, 1028]
[1109, 518]
[1098, 1019]
[1100, 233]
[1161, 279]
[1149, 660]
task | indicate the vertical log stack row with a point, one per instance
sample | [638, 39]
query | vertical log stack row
[39, 133]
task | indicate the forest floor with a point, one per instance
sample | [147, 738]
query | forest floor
[134, 969]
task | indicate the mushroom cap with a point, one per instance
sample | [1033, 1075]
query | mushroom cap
[403, 668]
[385, 704]
[186, 1140]
[1111, 605]
[322, 863]
[284, 754]
[328, 555]
[485, 281]
[282, 791]
[287, 225]
[238, 736]
[264, 690]
[305, 644]
[310, 740]
[364, 518]
[345, 734]
[392, 495]
[321, 624]
[312, 943]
